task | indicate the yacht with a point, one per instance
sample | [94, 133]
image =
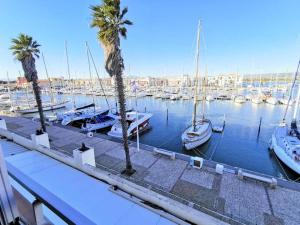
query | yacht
[257, 100]
[174, 97]
[272, 100]
[98, 122]
[133, 121]
[210, 98]
[285, 141]
[240, 99]
[79, 115]
[27, 109]
[285, 101]
[201, 130]
[186, 97]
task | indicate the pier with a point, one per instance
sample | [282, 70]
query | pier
[228, 196]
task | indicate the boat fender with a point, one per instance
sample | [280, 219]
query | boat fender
[90, 134]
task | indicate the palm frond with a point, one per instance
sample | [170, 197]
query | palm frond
[24, 46]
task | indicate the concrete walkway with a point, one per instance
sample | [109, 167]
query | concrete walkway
[223, 196]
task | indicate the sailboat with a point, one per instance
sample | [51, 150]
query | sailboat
[200, 131]
[285, 140]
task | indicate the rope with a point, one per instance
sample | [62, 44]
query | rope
[285, 173]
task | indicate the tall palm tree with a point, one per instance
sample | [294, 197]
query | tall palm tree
[109, 20]
[25, 49]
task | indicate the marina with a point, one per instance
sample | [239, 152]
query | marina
[120, 112]
[229, 196]
[247, 126]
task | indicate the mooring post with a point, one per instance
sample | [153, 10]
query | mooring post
[167, 114]
[145, 109]
[259, 126]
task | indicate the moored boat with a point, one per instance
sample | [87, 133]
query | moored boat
[201, 130]
[285, 141]
[142, 123]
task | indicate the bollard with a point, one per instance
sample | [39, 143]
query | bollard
[84, 155]
[40, 139]
[259, 126]
[167, 114]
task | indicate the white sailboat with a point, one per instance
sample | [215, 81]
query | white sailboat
[272, 100]
[257, 99]
[200, 131]
[286, 138]
[240, 99]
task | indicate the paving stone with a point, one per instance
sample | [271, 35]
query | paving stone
[107, 161]
[249, 202]
[119, 153]
[199, 177]
[144, 158]
[244, 199]
[13, 126]
[165, 172]
[195, 193]
[285, 204]
[104, 146]
[70, 147]
[272, 220]
[91, 141]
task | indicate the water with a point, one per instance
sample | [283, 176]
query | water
[239, 145]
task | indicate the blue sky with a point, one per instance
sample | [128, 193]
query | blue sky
[247, 36]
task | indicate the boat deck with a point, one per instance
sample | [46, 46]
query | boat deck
[223, 196]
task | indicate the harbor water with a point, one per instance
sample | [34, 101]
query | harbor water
[240, 145]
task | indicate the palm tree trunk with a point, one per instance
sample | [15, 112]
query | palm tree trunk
[121, 98]
[37, 94]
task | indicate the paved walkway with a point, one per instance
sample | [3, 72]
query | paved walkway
[224, 196]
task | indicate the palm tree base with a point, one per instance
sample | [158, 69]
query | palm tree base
[128, 172]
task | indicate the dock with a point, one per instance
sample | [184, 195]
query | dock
[226, 196]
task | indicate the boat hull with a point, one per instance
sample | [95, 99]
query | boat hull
[281, 154]
[194, 143]
[45, 108]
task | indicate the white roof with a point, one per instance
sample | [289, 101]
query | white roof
[87, 195]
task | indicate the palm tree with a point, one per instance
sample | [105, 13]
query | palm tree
[109, 20]
[25, 49]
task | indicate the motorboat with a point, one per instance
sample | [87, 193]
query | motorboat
[79, 115]
[98, 122]
[134, 120]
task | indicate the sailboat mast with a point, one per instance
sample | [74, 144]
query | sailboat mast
[298, 98]
[8, 89]
[196, 77]
[290, 95]
[204, 92]
[50, 83]
[90, 73]
[69, 74]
